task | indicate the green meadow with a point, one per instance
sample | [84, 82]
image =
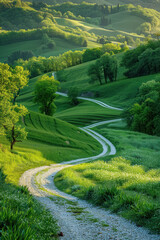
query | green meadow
[120, 93]
[127, 184]
[36, 47]
[21, 216]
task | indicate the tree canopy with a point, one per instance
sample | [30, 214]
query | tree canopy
[144, 115]
[45, 93]
[11, 81]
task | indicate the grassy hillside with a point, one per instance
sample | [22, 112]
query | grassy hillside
[155, 4]
[85, 113]
[22, 217]
[128, 187]
[80, 115]
[120, 26]
[119, 93]
[36, 47]
[49, 141]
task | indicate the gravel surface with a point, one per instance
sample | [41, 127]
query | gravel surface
[78, 219]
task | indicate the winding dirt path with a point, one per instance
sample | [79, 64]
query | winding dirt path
[78, 219]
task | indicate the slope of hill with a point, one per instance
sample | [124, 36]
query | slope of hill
[119, 93]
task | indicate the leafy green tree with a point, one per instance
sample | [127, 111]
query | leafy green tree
[45, 94]
[73, 94]
[25, 55]
[95, 72]
[144, 116]
[91, 54]
[13, 131]
[109, 66]
[11, 81]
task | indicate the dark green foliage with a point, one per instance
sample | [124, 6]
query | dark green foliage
[85, 9]
[25, 55]
[95, 72]
[106, 66]
[40, 65]
[143, 60]
[47, 42]
[22, 217]
[26, 17]
[91, 54]
[110, 67]
[73, 94]
[144, 116]
[45, 94]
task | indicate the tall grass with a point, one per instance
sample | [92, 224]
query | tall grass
[22, 217]
[126, 189]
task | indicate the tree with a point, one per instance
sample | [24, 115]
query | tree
[91, 54]
[95, 72]
[109, 66]
[25, 55]
[144, 115]
[14, 132]
[73, 94]
[11, 81]
[45, 93]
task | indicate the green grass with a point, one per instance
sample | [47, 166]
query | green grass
[122, 23]
[120, 93]
[49, 140]
[36, 47]
[139, 148]
[22, 217]
[85, 113]
[119, 22]
[126, 189]
[16, 163]
[82, 114]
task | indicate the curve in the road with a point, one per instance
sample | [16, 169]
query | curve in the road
[40, 183]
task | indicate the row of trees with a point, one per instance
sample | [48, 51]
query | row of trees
[40, 65]
[106, 67]
[110, 48]
[87, 9]
[34, 34]
[144, 115]
[11, 82]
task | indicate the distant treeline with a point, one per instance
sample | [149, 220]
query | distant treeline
[15, 15]
[8, 37]
[40, 65]
[95, 10]
[86, 9]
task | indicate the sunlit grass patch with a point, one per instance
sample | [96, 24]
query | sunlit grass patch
[22, 217]
[16, 163]
[124, 188]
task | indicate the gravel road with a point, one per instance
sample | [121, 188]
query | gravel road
[78, 219]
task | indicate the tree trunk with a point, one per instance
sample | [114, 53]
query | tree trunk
[13, 138]
[100, 80]
[105, 75]
[12, 143]
[15, 96]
